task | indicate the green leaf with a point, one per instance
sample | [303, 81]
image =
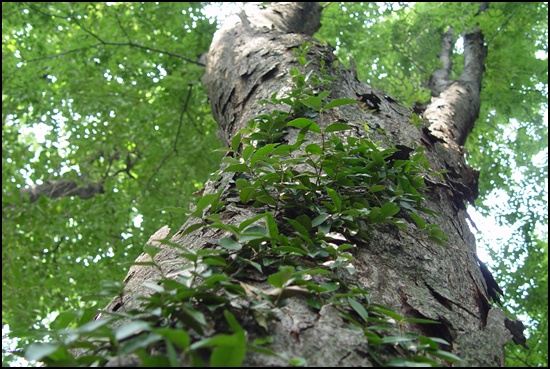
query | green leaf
[314, 149]
[242, 183]
[336, 200]
[249, 221]
[396, 362]
[434, 339]
[247, 152]
[138, 342]
[171, 354]
[282, 277]
[38, 350]
[288, 250]
[396, 339]
[304, 123]
[236, 141]
[64, 319]
[230, 244]
[130, 329]
[319, 219]
[384, 310]
[298, 227]
[93, 325]
[372, 337]
[215, 261]
[230, 351]
[420, 223]
[196, 315]
[155, 287]
[313, 102]
[246, 194]
[237, 168]
[253, 233]
[262, 152]
[191, 228]
[174, 209]
[313, 271]
[151, 250]
[324, 94]
[447, 356]
[389, 209]
[330, 287]
[419, 320]
[233, 323]
[337, 127]
[253, 264]
[359, 309]
[233, 229]
[272, 228]
[205, 201]
[305, 221]
[297, 361]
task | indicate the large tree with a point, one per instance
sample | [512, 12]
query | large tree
[329, 163]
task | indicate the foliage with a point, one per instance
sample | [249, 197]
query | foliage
[113, 84]
[322, 213]
[121, 81]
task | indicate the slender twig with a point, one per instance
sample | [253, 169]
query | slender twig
[503, 25]
[122, 28]
[65, 17]
[190, 117]
[174, 148]
[131, 44]
[102, 42]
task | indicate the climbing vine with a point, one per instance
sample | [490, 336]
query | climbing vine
[315, 199]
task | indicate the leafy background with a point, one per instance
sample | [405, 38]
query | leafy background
[110, 93]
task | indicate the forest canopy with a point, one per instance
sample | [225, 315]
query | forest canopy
[107, 133]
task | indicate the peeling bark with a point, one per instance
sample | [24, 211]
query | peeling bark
[249, 60]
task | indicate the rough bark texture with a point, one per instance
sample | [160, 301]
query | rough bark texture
[455, 104]
[250, 60]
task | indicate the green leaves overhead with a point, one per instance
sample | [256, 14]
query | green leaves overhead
[104, 94]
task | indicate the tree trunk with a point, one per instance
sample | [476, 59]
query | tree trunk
[251, 59]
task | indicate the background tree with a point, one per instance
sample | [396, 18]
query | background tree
[122, 158]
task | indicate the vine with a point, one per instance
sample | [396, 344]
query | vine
[318, 200]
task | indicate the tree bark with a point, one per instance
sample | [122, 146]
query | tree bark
[249, 60]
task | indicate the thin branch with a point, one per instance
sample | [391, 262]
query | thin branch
[87, 30]
[440, 78]
[106, 43]
[62, 53]
[503, 25]
[118, 44]
[185, 106]
[174, 148]
[122, 28]
[66, 17]
[200, 130]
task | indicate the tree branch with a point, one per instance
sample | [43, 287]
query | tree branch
[174, 147]
[440, 78]
[474, 56]
[501, 28]
[105, 43]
